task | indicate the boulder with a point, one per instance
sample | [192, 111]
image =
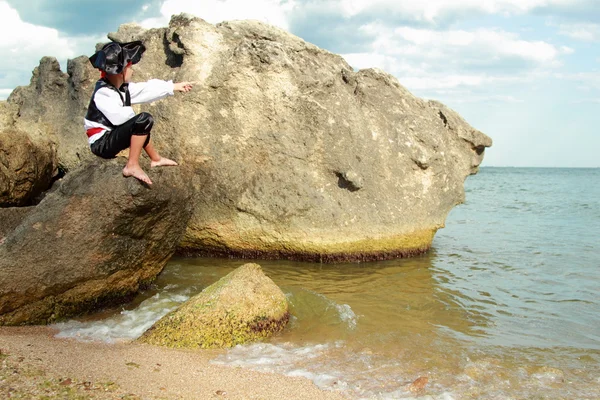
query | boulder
[307, 158]
[242, 307]
[95, 239]
[26, 168]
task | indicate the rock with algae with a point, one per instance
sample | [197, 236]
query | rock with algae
[242, 307]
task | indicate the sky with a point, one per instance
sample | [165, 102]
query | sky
[524, 72]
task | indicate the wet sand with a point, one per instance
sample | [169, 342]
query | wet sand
[35, 364]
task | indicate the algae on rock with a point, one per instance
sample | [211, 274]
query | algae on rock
[244, 306]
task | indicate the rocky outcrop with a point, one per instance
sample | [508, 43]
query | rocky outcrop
[307, 158]
[53, 106]
[97, 238]
[26, 168]
[242, 307]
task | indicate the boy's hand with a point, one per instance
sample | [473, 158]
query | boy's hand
[182, 87]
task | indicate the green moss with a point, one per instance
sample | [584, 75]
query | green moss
[226, 331]
[254, 245]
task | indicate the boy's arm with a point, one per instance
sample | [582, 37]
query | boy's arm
[110, 104]
[146, 92]
[155, 89]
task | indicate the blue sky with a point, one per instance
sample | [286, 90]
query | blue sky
[525, 72]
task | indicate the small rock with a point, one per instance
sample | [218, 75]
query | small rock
[419, 384]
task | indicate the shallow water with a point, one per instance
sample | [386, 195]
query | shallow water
[505, 305]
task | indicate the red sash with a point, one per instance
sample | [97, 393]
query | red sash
[92, 131]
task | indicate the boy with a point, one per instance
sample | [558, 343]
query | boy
[110, 123]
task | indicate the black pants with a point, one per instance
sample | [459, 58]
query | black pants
[118, 139]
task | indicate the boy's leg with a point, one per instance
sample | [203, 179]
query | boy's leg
[133, 168]
[134, 134]
[119, 139]
[156, 159]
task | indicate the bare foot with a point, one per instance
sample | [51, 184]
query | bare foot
[163, 162]
[137, 173]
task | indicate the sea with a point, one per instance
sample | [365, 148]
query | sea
[506, 304]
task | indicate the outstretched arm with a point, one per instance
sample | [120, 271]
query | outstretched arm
[155, 89]
[182, 86]
[146, 92]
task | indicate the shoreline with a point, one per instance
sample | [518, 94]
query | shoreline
[34, 363]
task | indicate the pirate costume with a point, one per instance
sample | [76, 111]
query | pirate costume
[110, 120]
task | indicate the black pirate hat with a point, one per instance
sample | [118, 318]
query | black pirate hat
[114, 56]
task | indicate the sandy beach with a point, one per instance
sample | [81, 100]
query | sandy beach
[35, 364]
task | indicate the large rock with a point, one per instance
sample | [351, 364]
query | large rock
[242, 307]
[26, 168]
[308, 158]
[53, 106]
[12, 217]
[95, 239]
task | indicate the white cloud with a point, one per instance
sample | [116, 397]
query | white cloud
[581, 31]
[4, 93]
[274, 12]
[432, 10]
[22, 45]
[481, 43]
[158, 22]
[21, 42]
[428, 60]
[486, 43]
